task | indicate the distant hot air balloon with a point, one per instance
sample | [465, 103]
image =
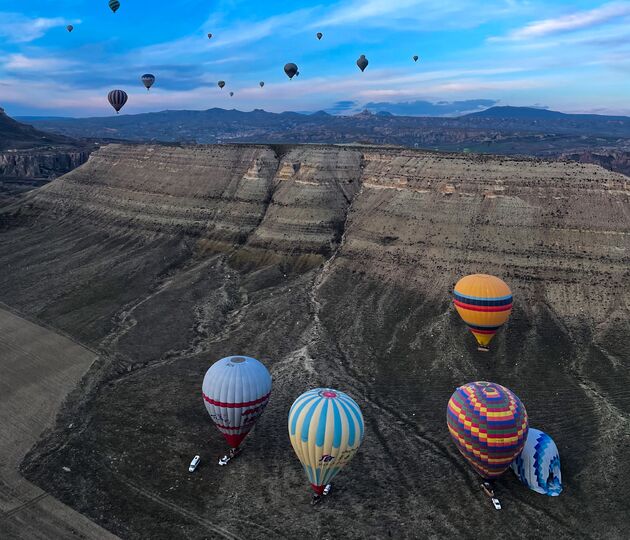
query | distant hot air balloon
[261, 83]
[538, 465]
[117, 99]
[290, 69]
[362, 62]
[114, 5]
[484, 303]
[221, 84]
[319, 35]
[209, 35]
[415, 57]
[488, 424]
[69, 28]
[236, 391]
[231, 94]
[326, 429]
[148, 80]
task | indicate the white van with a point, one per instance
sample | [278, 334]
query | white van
[194, 463]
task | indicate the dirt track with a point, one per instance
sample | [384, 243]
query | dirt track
[39, 368]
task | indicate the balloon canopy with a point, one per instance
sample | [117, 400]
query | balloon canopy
[148, 79]
[290, 69]
[114, 5]
[488, 424]
[538, 465]
[221, 84]
[326, 428]
[362, 62]
[484, 303]
[236, 391]
[319, 35]
[117, 99]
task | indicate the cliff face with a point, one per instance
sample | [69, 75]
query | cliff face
[334, 265]
[40, 164]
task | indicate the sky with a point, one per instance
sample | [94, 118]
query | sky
[571, 56]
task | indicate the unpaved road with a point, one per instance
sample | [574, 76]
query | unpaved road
[39, 368]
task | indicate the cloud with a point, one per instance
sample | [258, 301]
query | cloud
[342, 106]
[568, 23]
[17, 28]
[20, 62]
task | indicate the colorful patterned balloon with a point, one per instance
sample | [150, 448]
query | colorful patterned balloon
[488, 424]
[236, 391]
[538, 465]
[484, 303]
[326, 429]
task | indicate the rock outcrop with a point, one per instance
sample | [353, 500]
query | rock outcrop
[40, 164]
[334, 265]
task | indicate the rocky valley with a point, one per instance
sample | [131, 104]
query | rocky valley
[333, 265]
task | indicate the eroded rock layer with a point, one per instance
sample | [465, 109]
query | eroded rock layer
[334, 265]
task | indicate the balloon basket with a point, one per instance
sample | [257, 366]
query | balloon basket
[233, 453]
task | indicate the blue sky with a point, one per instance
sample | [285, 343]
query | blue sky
[572, 56]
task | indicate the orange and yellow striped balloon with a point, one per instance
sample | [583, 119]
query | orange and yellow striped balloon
[484, 303]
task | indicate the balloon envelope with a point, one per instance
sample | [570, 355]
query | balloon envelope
[69, 28]
[488, 424]
[319, 35]
[231, 94]
[362, 62]
[290, 69]
[236, 391]
[221, 84]
[415, 57]
[148, 80]
[117, 99]
[326, 428]
[538, 465]
[209, 35]
[114, 5]
[484, 303]
[261, 83]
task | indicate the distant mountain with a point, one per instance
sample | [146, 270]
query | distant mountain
[221, 125]
[534, 113]
[17, 136]
[428, 108]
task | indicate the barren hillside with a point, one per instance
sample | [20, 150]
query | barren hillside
[334, 266]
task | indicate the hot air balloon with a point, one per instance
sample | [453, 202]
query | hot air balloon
[114, 5]
[319, 35]
[221, 84]
[362, 62]
[148, 80]
[290, 69]
[231, 94]
[236, 391]
[209, 35]
[117, 99]
[69, 28]
[488, 424]
[538, 465]
[261, 83]
[326, 429]
[484, 303]
[415, 57]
